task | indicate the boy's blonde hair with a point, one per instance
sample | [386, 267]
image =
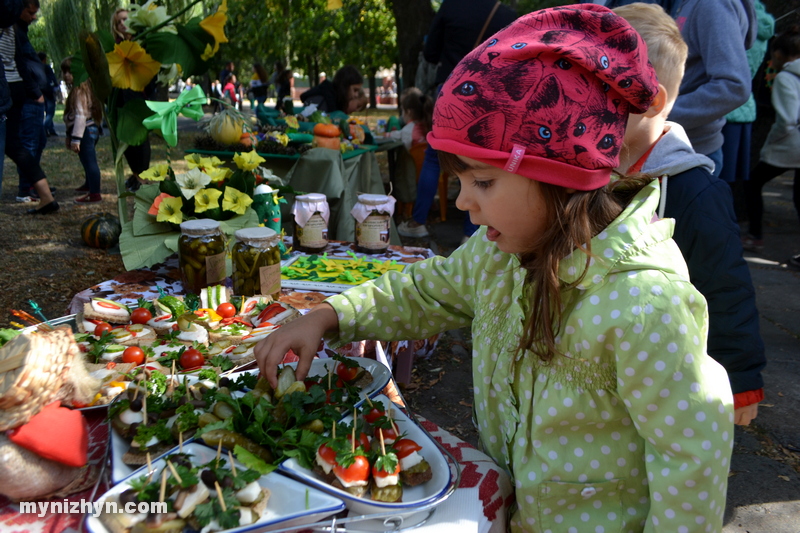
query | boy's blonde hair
[666, 49]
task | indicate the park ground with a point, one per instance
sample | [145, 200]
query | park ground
[45, 260]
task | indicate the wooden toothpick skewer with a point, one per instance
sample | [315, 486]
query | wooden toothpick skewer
[219, 452]
[383, 448]
[149, 467]
[233, 466]
[144, 408]
[180, 442]
[162, 494]
[219, 495]
[174, 472]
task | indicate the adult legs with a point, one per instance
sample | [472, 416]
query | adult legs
[2, 147]
[49, 113]
[761, 174]
[427, 186]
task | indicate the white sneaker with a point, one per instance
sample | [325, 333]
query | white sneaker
[406, 230]
[24, 199]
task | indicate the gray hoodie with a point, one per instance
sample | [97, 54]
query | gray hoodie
[782, 147]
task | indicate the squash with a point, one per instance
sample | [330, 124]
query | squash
[327, 130]
[226, 127]
[326, 142]
[101, 230]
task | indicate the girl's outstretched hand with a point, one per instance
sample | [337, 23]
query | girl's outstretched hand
[302, 336]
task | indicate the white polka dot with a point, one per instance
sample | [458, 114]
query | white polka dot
[655, 337]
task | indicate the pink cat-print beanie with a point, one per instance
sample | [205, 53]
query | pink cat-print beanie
[548, 96]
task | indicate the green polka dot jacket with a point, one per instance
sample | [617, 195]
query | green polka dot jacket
[631, 427]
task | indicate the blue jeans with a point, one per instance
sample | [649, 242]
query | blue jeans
[31, 136]
[49, 113]
[427, 186]
[88, 157]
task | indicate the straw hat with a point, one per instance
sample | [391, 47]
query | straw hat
[33, 370]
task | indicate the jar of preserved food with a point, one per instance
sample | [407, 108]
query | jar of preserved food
[201, 254]
[257, 262]
[373, 214]
[311, 214]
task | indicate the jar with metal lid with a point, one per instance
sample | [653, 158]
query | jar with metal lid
[373, 214]
[257, 262]
[311, 214]
[201, 254]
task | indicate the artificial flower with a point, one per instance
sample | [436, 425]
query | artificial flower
[157, 202]
[248, 160]
[218, 174]
[206, 199]
[203, 163]
[130, 66]
[146, 16]
[169, 210]
[157, 172]
[215, 26]
[208, 53]
[169, 74]
[191, 182]
[236, 201]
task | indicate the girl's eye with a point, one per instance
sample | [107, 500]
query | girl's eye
[482, 184]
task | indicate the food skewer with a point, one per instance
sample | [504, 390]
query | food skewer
[233, 466]
[163, 492]
[174, 471]
[219, 495]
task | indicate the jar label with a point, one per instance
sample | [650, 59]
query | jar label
[314, 234]
[215, 269]
[373, 233]
[270, 276]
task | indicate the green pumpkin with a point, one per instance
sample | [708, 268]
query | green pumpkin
[101, 230]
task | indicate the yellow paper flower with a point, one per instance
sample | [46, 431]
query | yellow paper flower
[206, 199]
[157, 172]
[191, 182]
[208, 53]
[130, 66]
[236, 201]
[215, 26]
[169, 210]
[203, 163]
[218, 174]
[248, 160]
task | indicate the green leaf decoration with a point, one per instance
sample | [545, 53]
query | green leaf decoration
[96, 65]
[144, 224]
[129, 128]
[79, 74]
[106, 40]
[168, 48]
[170, 187]
[141, 251]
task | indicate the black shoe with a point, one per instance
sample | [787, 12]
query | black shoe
[35, 195]
[46, 209]
[132, 184]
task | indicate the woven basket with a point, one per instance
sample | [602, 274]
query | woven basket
[33, 369]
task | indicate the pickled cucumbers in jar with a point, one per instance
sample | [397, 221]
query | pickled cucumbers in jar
[256, 262]
[201, 251]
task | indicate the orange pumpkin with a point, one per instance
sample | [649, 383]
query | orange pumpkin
[327, 142]
[327, 130]
[246, 139]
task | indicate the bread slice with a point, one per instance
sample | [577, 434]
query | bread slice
[102, 309]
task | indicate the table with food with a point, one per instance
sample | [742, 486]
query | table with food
[147, 399]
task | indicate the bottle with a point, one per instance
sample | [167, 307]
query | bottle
[380, 127]
[373, 214]
[257, 262]
[201, 254]
[311, 214]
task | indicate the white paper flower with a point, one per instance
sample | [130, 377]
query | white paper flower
[148, 16]
[191, 182]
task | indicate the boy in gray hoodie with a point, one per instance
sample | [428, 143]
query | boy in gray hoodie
[706, 230]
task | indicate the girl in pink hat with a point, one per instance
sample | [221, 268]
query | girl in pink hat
[592, 384]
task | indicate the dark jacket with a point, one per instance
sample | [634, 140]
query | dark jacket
[28, 64]
[324, 95]
[10, 11]
[708, 235]
[455, 28]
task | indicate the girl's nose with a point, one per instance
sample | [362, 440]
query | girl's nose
[464, 201]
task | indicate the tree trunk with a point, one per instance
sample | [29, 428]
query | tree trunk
[413, 18]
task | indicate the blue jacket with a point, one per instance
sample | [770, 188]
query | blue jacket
[10, 11]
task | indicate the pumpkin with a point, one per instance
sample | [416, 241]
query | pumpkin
[326, 142]
[327, 130]
[101, 230]
[226, 127]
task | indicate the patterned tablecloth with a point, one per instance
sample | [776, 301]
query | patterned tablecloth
[479, 505]
[145, 283]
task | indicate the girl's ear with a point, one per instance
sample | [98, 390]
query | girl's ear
[659, 102]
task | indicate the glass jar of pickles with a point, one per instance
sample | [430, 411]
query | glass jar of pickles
[373, 214]
[257, 263]
[311, 214]
[201, 254]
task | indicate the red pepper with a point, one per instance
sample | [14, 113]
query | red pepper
[271, 311]
[109, 305]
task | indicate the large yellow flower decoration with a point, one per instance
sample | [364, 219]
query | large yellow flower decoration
[248, 160]
[218, 174]
[215, 26]
[203, 163]
[236, 201]
[169, 210]
[206, 199]
[130, 66]
[157, 172]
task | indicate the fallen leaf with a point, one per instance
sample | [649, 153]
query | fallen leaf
[780, 394]
[785, 478]
[465, 404]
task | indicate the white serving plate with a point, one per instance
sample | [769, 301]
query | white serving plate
[286, 507]
[319, 367]
[413, 497]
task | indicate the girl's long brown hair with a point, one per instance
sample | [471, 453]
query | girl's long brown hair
[574, 218]
[83, 92]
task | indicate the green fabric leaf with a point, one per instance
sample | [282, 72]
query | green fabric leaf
[130, 129]
[248, 220]
[142, 251]
[168, 48]
[170, 187]
[106, 40]
[79, 74]
[144, 224]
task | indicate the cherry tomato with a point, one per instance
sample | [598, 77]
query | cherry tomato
[101, 328]
[140, 315]
[347, 374]
[388, 434]
[133, 354]
[374, 413]
[383, 473]
[191, 358]
[358, 471]
[328, 454]
[226, 310]
[405, 447]
[310, 382]
[363, 440]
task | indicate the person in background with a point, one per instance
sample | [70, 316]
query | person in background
[705, 225]
[226, 71]
[592, 386]
[781, 150]
[49, 93]
[13, 45]
[330, 96]
[357, 103]
[417, 117]
[259, 84]
[229, 93]
[283, 80]
[452, 35]
[9, 14]
[83, 114]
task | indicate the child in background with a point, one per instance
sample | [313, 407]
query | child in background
[781, 150]
[83, 114]
[229, 91]
[705, 224]
[417, 116]
[592, 384]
